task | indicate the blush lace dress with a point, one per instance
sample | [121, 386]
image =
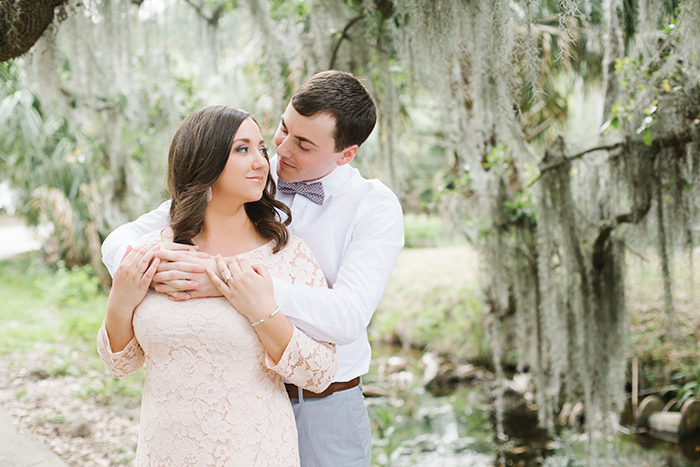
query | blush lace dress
[212, 396]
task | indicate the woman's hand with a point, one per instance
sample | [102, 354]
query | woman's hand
[248, 287]
[133, 277]
[250, 291]
[129, 286]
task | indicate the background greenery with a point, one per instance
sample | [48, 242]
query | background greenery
[561, 139]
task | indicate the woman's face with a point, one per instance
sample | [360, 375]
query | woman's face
[245, 175]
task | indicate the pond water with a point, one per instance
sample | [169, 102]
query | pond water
[412, 427]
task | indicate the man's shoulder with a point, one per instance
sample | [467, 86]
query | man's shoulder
[362, 186]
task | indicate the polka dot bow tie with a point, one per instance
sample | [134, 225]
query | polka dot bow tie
[313, 191]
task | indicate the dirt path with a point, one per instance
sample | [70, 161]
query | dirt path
[16, 238]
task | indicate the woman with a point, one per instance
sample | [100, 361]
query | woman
[214, 393]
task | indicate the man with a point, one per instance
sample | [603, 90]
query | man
[353, 226]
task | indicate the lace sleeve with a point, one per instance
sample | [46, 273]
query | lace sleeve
[306, 363]
[302, 266]
[124, 362]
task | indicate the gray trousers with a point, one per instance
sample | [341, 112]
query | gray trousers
[334, 431]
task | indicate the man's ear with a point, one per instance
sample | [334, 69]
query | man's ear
[348, 155]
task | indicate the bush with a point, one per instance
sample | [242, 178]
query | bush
[423, 231]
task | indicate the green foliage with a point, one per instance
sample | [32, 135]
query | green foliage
[297, 9]
[432, 302]
[59, 313]
[650, 119]
[423, 231]
[25, 313]
[498, 159]
[690, 390]
[522, 209]
[109, 388]
[52, 166]
[71, 286]
[40, 305]
[652, 79]
[81, 301]
[619, 114]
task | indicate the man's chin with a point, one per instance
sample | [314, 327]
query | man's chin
[286, 175]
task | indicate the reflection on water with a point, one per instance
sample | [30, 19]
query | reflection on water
[412, 427]
[691, 448]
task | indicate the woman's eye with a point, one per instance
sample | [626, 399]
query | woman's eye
[263, 151]
[242, 149]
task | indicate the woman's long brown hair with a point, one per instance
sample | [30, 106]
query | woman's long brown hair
[198, 155]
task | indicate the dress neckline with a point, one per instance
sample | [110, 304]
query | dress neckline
[261, 247]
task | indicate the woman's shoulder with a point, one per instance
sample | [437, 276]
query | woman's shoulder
[295, 249]
[296, 244]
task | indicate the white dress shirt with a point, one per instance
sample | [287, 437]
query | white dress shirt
[356, 236]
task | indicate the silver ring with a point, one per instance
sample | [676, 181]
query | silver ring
[142, 272]
[228, 276]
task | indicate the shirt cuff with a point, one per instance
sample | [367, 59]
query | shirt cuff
[281, 290]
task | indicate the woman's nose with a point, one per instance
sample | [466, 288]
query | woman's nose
[260, 160]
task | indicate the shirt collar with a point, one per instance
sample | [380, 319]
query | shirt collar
[331, 182]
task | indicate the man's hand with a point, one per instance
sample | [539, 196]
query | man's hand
[182, 274]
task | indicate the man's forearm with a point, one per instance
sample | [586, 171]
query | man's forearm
[115, 244]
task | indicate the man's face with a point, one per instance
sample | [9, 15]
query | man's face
[306, 147]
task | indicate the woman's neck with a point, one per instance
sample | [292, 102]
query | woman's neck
[228, 231]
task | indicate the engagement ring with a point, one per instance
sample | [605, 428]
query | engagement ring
[228, 276]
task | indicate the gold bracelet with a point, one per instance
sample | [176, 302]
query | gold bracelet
[263, 320]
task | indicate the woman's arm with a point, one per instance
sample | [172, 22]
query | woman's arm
[122, 363]
[116, 343]
[129, 286]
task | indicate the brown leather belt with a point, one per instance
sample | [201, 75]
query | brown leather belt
[293, 390]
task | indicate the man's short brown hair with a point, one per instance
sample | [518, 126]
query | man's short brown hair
[342, 96]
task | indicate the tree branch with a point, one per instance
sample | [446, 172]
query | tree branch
[557, 163]
[343, 35]
[683, 137]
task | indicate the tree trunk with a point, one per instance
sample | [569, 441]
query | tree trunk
[22, 22]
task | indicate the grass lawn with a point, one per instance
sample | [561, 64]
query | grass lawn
[27, 315]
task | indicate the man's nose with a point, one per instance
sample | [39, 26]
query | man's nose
[282, 147]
